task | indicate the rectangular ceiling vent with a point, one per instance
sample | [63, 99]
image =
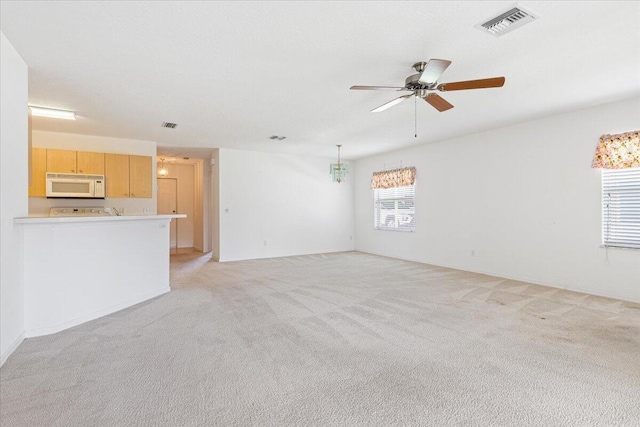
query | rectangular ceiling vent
[508, 21]
[169, 125]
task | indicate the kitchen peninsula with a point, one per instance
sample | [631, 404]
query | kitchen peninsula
[77, 269]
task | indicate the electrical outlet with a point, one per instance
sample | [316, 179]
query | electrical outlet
[473, 252]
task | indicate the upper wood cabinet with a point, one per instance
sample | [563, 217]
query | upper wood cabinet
[116, 174]
[90, 163]
[140, 179]
[61, 161]
[125, 175]
[38, 172]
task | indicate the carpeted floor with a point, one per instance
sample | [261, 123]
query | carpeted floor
[344, 339]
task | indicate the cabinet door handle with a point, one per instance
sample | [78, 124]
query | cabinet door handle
[133, 195]
[80, 171]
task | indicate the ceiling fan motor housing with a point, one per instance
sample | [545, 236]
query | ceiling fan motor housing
[413, 83]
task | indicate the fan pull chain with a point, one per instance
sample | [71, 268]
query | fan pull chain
[415, 109]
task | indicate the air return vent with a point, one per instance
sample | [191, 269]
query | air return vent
[169, 125]
[508, 21]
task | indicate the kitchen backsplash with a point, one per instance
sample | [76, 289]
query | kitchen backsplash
[39, 206]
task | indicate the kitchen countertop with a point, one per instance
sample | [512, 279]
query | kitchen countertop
[72, 219]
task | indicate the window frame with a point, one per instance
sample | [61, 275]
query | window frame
[400, 225]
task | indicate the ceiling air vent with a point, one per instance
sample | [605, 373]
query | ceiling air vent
[169, 125]
[508, 21]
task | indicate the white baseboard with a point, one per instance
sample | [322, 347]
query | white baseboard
[519, 279]
[285, 256]
[11, 349]
[36, 332]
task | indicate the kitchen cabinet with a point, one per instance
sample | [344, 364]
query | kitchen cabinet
[116, 174]
[125, 175]
[90, 163]
[68, 161]
[38, 172]
[140, 179]
[61, 161]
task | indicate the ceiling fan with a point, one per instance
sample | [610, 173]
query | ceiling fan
[426, 81]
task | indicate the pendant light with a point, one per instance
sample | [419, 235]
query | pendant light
[163, 171]
[339, 170]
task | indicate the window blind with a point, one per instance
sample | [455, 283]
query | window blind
[394, 208]
[621, 207]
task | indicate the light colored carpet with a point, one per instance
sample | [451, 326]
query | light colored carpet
[341, 339]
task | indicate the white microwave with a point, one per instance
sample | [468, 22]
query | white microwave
[75, 186]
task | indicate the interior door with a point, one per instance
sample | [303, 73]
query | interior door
[168, 204]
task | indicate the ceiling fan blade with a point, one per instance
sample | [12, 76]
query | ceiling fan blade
[472, 84]
[376, 88]
[432, 71]
[438, 102]
[391, 103]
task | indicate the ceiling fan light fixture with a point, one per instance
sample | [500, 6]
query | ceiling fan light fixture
[426, 81]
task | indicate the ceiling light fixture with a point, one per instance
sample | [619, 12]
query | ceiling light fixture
[163, 171]
[339, 170]
[52, 113]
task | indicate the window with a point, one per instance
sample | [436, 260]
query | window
[394, 208]
[621, 207]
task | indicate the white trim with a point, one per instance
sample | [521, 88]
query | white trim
[624, 248]
[11, 348]
[30, 333]
[284, 256]
[100, 219]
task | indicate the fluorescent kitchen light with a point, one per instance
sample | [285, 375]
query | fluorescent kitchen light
[50, 112]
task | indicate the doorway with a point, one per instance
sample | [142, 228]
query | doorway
[167, 205]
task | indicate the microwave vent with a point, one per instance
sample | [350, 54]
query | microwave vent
[73, 176]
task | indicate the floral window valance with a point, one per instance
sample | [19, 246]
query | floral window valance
[620, 151]
[394, 178]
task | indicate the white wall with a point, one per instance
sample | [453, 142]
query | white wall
[202, 215]
[277, 205]
[68, 141]
[214, 203]
[69, 279]
[523, 198]
[13, 193]
[198, 212]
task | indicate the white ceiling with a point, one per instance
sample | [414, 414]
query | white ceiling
[233, 73]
